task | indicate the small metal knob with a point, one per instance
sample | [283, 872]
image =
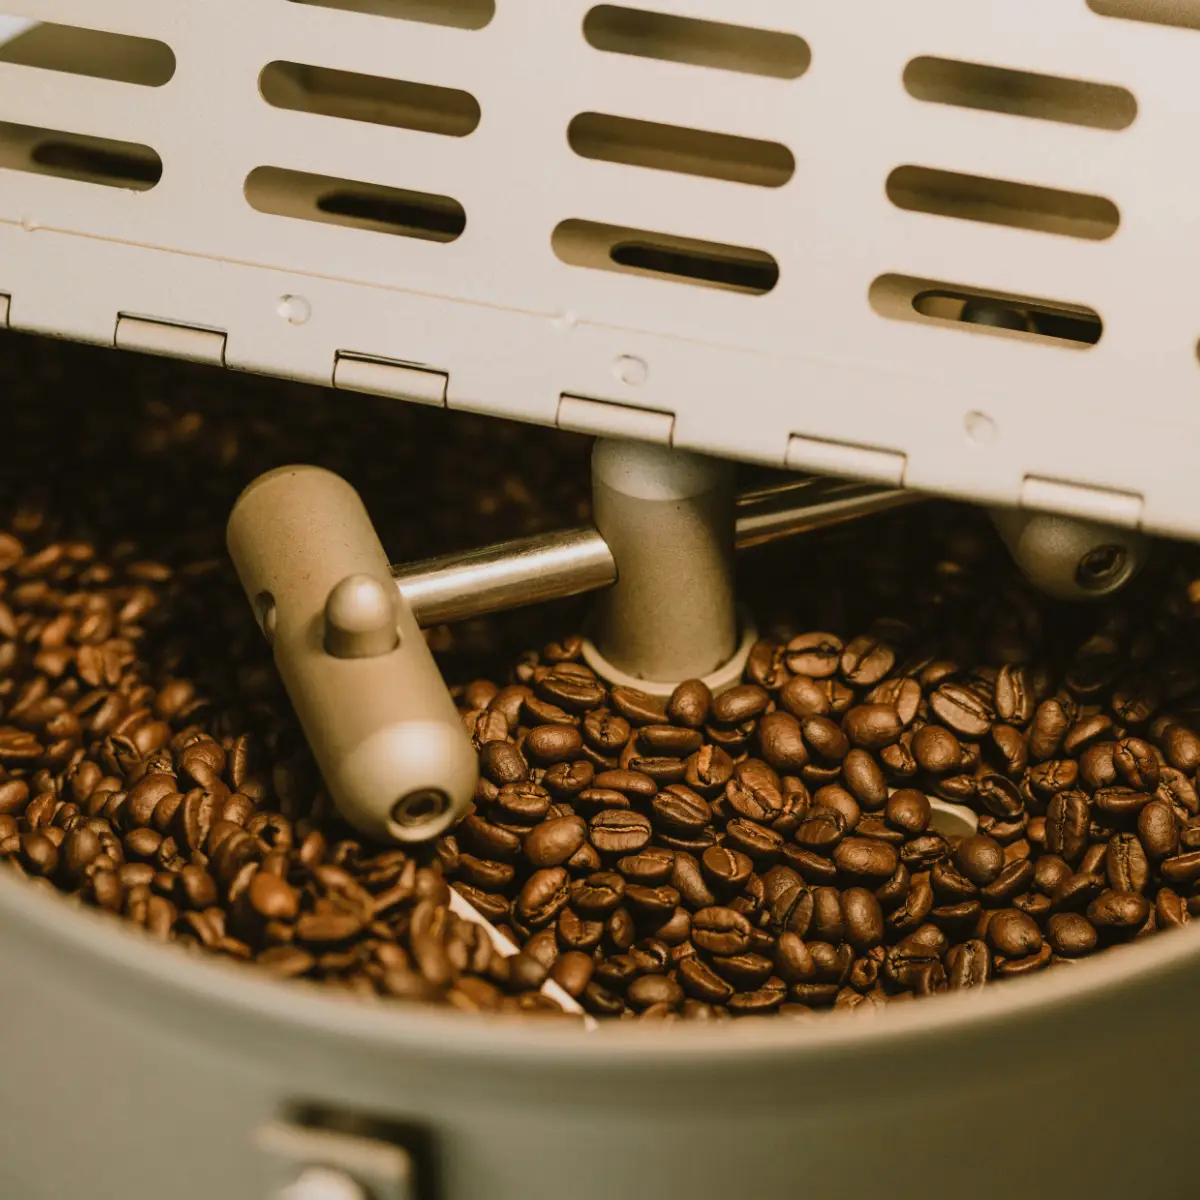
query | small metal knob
[360, 618]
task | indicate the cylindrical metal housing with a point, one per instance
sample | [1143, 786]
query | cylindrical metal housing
[668, 518]
[376, 713]
[1070, 558]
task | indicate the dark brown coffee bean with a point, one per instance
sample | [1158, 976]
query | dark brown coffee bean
[1013, 934]
[936, 750]
[863, 918]
[552, 843]
[922, 852]
[1182, 748]
[637, 707]
[1171, 910]
[616, 831]
[866, 859]
[904, 695]
[690, 704]
[605, 731]
[578, 933]
[1136, 764]
[721, 931]
[980, 859]
[965, 711]
[782, 744]
[1119, 801]
[668, 741]
[679, 810]
[1077, 891]
[1158, 830]
[1050, 724]
[598, 894]
[759, 843]
[522, 804]
[573, 972]
[969, 965]
[726, 869]
[544, 895]
[651, 866]
[1049, 872]
[550, 744]
[1067, 825]
[327, 928]
[701, 982]
[822, 829]
[1118, 912]
[1181, 868]
[1071, 935]
[803, 697]
[816, 655]
[1013, 695]
[503, 763]
[872, 726]
[1126, 864]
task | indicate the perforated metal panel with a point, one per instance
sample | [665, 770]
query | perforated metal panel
[528, 199]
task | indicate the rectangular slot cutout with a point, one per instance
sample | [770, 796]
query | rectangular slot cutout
[1000, 202]
[371, 206]
[664, 256]
[996, 314]
[1020, 93]
[78, 156]
[91, 52]
[1182, 14]
[369, 98]
[680, 150]
[457, 14]
[646, 34]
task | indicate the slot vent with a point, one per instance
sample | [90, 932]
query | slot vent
[665, 256]
[668, 38]
[1000, 202]
[1020, 93]
[356, 205]
[995, 314]
[680, 150]
[369, 98]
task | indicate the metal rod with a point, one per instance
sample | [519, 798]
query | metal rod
[556, 566]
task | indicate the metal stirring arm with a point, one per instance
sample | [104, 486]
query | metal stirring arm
[571, 562]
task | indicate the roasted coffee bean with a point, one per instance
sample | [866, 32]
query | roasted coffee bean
[936, 750]
[1071, 935]
[701, 982]
[904, 695]
[616, 831]
[725, 868]
[690, 704]
[679, 810]
[753, 840]
[1077, 891]
[598, 894]
[969, 965]
[781, 741]
[651, 866]
[721, 931]
[1013, 934]
[803, 697]
[1158, 830]
[1013, 695]
[738, 704]
[862, 918]
[922, 852]
[552, 843]
[821, 830]
[866, 859]
[1050, 724]
[1181, 868]
[1171, 910]
[543, 896]
[1118, 912]
[980, 859]
[909, 811]
[1126, 863]
[872, 726]
[816, 655]
[1067, 825]
[965, 711]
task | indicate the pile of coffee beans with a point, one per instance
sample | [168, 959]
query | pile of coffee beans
[770, 850]
[774, 848]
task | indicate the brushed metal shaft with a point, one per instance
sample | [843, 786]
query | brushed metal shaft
[571, 562]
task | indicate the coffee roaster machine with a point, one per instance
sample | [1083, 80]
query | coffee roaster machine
[901, 250]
